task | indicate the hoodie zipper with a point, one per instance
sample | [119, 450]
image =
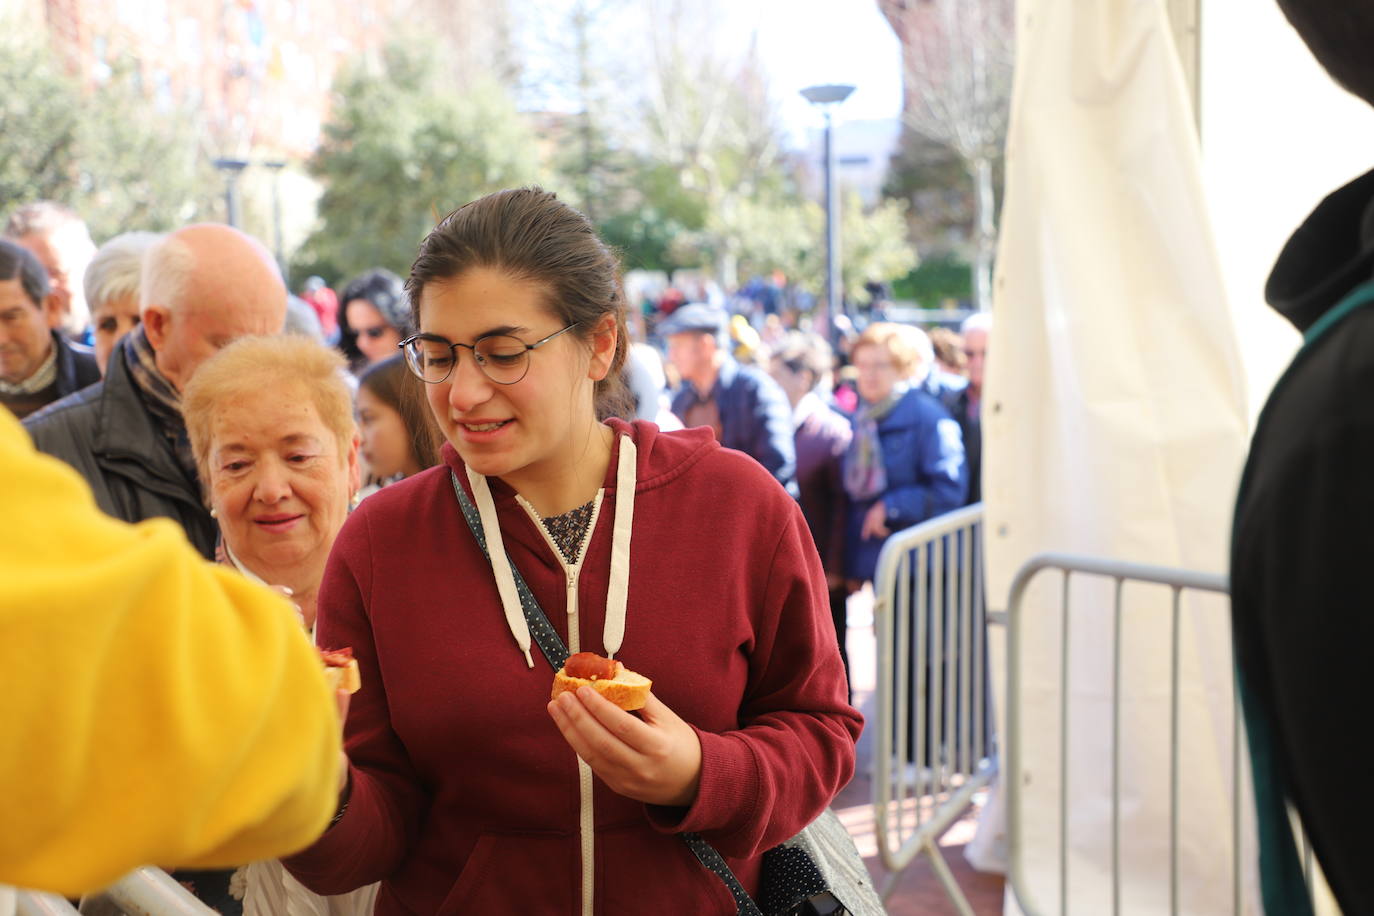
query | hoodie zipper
[571, 573]
[617, 591]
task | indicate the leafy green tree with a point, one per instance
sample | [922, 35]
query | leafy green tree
[40, 127]
[873, 244]
[957, 72]
[709, 115]
[94, 148]
[651, 218]
[403, 148]
[789, 235]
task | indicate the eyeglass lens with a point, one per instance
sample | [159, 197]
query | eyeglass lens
[502, 359]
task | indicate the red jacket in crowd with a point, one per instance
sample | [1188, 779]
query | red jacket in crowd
[465, 797]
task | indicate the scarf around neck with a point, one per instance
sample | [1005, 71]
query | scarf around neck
[159, 397]
[865, 475]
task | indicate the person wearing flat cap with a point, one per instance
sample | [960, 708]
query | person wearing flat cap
[745, 408]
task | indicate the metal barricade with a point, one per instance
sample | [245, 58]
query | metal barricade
[145, 892]
[34, 903]
[933, 730]
[1118, 573]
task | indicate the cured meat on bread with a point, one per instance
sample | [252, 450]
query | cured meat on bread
[609, 678]
[341, 669]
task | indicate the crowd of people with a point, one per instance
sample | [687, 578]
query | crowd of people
[196, 514]
[198, 395]
[176, 375]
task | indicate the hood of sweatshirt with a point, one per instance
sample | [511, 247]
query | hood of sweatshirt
[1331, 253]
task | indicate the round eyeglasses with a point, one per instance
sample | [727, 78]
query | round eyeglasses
[502, 358]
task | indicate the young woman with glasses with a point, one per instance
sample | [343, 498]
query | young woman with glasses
[467, 789]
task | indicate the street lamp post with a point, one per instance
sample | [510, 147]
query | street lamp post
[826, 98]
[276, 166]
[231, 169]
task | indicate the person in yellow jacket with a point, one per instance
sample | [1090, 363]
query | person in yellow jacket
[155, 708]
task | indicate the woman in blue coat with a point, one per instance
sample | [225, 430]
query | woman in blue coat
[904, 465]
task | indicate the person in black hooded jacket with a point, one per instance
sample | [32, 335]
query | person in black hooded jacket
[1303, 541]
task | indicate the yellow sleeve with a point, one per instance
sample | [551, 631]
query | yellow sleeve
[154, 708]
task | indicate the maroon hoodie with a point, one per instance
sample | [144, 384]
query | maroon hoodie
[465, 797]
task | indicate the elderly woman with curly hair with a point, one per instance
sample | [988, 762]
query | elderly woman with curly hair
[905, 463]
[271, 425]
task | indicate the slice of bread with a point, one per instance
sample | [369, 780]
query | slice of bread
[344, 677]
[627, 689]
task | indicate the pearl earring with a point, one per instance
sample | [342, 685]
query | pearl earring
[214, 513]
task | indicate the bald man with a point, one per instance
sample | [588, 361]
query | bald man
[201, 288]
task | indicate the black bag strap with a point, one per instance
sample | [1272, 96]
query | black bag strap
[541, 631]
[556, 653]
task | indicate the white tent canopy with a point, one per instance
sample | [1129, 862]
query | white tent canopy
[1114, 426]
[1121, 382]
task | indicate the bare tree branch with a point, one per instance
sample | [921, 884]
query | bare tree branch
[957, 71]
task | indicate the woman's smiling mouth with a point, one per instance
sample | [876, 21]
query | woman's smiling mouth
[280, 522]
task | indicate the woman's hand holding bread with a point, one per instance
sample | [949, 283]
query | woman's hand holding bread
[653, 758]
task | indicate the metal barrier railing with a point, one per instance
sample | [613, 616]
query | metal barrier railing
[1119, 573]
[145, 892]
[933, 747]
[142, 892]
[34, 903]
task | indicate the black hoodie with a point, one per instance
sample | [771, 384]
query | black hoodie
[1302, 555]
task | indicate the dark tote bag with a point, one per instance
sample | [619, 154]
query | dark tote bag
[818, 872]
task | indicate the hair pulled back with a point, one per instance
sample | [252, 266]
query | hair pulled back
[529, 234]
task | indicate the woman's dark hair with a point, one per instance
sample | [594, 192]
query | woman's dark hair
[392, 383]
[386, 292]
[17, 262]
[531, 235]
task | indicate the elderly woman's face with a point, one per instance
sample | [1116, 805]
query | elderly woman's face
[112, 319]
[278, 484]
[878, 373]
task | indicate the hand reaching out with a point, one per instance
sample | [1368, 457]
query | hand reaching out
[875, 522]
[655, 759]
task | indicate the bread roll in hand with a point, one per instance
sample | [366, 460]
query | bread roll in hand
[341, 669]
[611, 679]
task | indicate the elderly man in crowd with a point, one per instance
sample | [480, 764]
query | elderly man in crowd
[37, 364]
[202, 287]
[743, 406]
[968, 407]
[62, 243]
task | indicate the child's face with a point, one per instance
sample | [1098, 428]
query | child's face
[385, 443]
